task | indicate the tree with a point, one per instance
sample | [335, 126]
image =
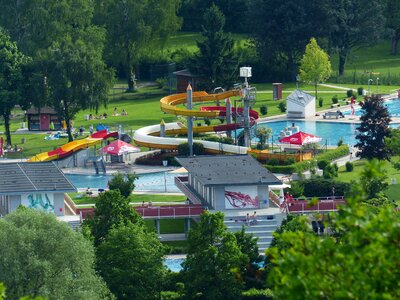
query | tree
[392, 14]
[362, 260]
[373, 179]
[315, 66]
[11, 83]
[125, 183]
[41, 256]
[36, 24]
[354, 23]
[373, 130]
[263, 133]
[216, 61]
[134, 28]
[111, 209]
[131, 262]
[213, 259]
[77, 75]
[282, 29]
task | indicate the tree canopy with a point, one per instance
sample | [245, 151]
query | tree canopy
[111, 209]
[216, 62]
[125, 183]
[373, 130]
[315, 66]
[131, 262]
[41, 256]
[12, 62]
[212, 260]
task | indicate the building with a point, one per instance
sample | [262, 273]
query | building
[35, 185]
[299, 104]
[226, 182]
[183, 78]
[42, 120]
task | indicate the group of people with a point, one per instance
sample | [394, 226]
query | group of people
[123, 113]
[251, 220]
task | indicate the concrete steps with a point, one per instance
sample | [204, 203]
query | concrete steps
[263, 228]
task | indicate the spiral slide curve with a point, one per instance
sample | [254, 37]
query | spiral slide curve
[71, 147]
[149, 136]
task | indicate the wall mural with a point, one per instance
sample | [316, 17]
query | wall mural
[39, 201]
[237, 197]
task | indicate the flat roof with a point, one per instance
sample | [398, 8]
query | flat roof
[227, 170]
[24, 177]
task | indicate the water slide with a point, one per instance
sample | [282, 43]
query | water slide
[71, 147]
[149, 136]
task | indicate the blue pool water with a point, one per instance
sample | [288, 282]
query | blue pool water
[393, 107]
[157, 182]
[330, 132]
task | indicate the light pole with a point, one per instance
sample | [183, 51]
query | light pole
[369, 87]
[377, 80]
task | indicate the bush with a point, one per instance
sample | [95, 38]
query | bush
[290, 169]
[272, 162]
[340, 142]
[320, 102]
[330, 172]
[161, 82]
[335, 99]
[333, 154]
[296, 189]
[256, 294]
[289, 161]
[198, 149]
[322, 187]
[207, 121]
[349, 167]
[282, 106]
[263, 109]
[322, 164]
[349, 93]
[169, 295]
[360, 90]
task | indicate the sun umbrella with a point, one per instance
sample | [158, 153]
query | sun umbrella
[300, 138]
[119, 147]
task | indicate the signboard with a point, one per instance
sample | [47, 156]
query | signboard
[43, 201]
[239, 197]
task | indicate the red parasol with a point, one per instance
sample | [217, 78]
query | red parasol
[300, 138]
[119, 147]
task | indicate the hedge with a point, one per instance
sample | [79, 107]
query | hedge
[289, 169]
[255, 294]
[321, 187]
[333, 154]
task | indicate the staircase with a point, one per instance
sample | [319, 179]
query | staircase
[98, 164]
[262, 229]
[76, 225]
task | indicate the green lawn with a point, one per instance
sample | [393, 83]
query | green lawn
[393, 191]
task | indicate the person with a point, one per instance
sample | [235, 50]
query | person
[142, 203]
[254, 218]
[115, 113]
[247, 219]
[15, 148]
[90, 117]
[351, 151]
[105, 115]
[91, 129]
[124, 113]
[81, 130]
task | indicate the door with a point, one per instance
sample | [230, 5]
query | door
[44, 121]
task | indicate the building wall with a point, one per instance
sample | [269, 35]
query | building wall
[56, 200]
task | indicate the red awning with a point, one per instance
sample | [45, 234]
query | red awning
[119, 147]
[300, 138]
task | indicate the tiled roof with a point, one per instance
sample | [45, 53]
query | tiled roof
[227, 170]
[18, 178]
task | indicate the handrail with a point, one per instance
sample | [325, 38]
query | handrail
[301, 206]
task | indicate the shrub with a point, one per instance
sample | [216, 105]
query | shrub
[263, 109]
[349, 166]
[335, 99]
[296, 189]
[207, 121]
[282, 106]
[330, 172]
[322, 164]
[257, 294]
[340, 142]
[198, 149]
[320, 102]
[333, 154]
[349, 93]
[290, 169]
[360, 90]
[289, 161]
[226, 140]
[161, 82]
[321, 187]
[170, 295]
[273, 162]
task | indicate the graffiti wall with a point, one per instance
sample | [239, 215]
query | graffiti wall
[238, 197]
[39, 201]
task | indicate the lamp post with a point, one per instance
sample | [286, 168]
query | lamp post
[369, 87]
[377, 80]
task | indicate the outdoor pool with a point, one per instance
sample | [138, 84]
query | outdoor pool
[158, 182]
[330, 132]
[392, 105]
[174, 264]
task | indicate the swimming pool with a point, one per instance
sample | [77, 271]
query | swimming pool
[158, 182]
[392, 105]
[330, 132]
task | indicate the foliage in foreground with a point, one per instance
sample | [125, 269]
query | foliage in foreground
[362, 259]
[41, 256]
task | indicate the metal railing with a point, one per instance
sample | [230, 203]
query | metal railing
[324, 204]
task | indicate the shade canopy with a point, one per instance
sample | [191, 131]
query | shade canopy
[300, 138]
[119, 147]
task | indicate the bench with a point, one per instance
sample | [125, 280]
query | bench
[333, 105]
[331, 114]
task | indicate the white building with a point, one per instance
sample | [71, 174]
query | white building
[300, 105]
